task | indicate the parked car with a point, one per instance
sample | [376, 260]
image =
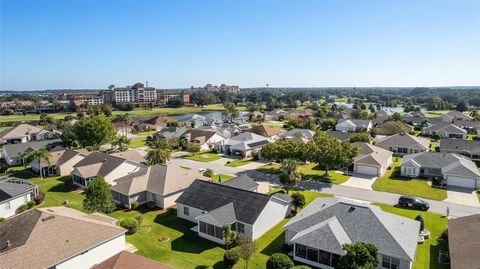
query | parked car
[413, 202]
[202, 169]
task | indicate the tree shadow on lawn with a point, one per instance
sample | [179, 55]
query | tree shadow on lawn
[434, 255]
[25, 174]
[275, 246]
[189, 241]
[218, 265]
[65, 186]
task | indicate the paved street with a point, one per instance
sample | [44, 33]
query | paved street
[440, 207]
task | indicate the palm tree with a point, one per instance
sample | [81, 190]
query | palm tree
[121, 142]
[290, 176]
[25, 156]
[159, 152]
[40, 155]
[123, 120]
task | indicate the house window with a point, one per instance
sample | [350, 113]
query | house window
[300, 251]
[240, 228]
[312, 254]
[211, 230]
[186, 211]
[390, 262]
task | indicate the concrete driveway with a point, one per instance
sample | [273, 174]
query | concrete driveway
[462, 196]
[360, 181]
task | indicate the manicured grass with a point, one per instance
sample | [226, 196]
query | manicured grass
[416, 187]
[223, 177]
[138, 142]
[309, 171]
[203, 157]
[146, 133]
[312, 171]
[136, 113]
[478, 195]
[237, 163]
[427, 253]
[58, 190]
[185, 249]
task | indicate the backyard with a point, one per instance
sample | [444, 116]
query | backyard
[309, 171]
[390, 182]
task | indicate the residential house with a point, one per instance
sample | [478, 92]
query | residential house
[415, 118]
[401, 144]
[352, 125]
[451, 116]
[267, 131]
[371, 160]
[195, 121]
[304, 135]
[205, 138]
[243, 182]
[12, 152]
[160, 122]
[470, 126]
[456, 170]
[15, 192]
[276, 114]
[464, 242]
[60, 237]
[319, 232]
[341, 136]
[23, 133]
[212, 206]
[60, 162]
[171, 132]
[162, 184]
[127, 260]
[101, 164]
[244, 144]
[131, 155]
[469, 148]
[445, 131]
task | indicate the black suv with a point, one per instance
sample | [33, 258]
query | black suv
[413, 202]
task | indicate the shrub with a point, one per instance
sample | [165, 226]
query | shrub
[287, 248]
[22, 208]
[444, 235]
[39, 198]
[208, 173]
[230, 258]
[301, 267]
[139, 219]
[2, 219]
[130, 224]
[279, 261]
[151, 205]
[134, 205]
[420, 219]
[30, 204]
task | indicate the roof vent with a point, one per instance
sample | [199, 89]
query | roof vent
[9, 244]
[48, 218]
[351, 209]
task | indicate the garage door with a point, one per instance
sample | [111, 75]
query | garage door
[367, 170]
[461, 182]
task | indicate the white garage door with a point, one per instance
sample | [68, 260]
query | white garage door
[367, 170]
[461, 182]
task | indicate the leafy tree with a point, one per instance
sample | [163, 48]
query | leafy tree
[359, 256]
[360, 137]
[229, 235]
[290, 176]
[94, 131]
[284, 149]
[395, 117]
[98, 196]
[208, 173]
[121, 142]
[68, 136]
[462, 106]
[40, 155]
[159, 152]
[298, 201]
[328, 123]
[193, 147]
[391, 128]
[230, 258]
[230, 112]
[246, 249]
[174, 102]
[106, 109]
[324, 150]
[251, 107]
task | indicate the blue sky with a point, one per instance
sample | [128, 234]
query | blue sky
[173, 44]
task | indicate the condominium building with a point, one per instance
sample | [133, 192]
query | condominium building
[164, 97]
[88, 98]
[136, 93]
[214, 88]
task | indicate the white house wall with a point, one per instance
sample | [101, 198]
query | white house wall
[273, 213]
[96, 255]
[194, 212]
[14, 205]
[122, 170]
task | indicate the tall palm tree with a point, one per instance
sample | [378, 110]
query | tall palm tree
[123, 120]
[290, 176]
[40, 155]
[159, 153]
[121, 142]
[25, 156]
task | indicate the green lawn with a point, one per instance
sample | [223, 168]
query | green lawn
[309, 171]
[427, 253]
[58, 190]
[237, 163]
[136, 113]
[478, 195]
[137, 142]
[202, 157]
[223, 177]
[146, 133]
[185, 249]
[416, 187]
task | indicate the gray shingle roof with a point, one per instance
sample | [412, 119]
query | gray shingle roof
[404, 141]
[11, 187]
[342, 136]
[208, 196]
[450, 163]
[444, 128]
[243, 182]
[294, 132]
[108, 162]
[459, 145]
[14, 149]
[393, 235]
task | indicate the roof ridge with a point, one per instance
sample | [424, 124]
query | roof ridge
[225, 186]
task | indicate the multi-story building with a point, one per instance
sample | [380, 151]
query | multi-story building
[88, 98]
[137, 93]
[164, 97]
[214, 88]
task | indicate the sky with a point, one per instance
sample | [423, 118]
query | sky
[176, 44]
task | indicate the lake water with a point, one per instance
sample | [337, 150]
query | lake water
[392, 109]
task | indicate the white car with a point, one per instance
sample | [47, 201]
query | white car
[201, 169]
